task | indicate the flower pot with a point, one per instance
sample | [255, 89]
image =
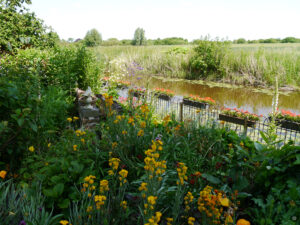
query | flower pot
[236, 120]
[287, 124]
[189, 102]
[163, 96]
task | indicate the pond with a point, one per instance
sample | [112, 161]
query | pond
[247, 98]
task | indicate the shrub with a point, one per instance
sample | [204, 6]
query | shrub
[207, 59]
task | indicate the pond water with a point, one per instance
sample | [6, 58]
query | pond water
[243, 98]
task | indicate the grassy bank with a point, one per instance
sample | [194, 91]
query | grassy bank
[248, 64]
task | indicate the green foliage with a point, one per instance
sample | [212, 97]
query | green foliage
[21, 29]
[92, 38]
[111, 42]
[139, 37]
[20, 206]
[208, 59]
[171, 41]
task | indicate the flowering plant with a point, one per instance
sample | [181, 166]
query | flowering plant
[288, 115]
[197, 98]
[240, 113]
[164, 91]
[122, 83]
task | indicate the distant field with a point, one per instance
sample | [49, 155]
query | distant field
[248, 64]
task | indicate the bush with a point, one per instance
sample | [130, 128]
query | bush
[207, 59]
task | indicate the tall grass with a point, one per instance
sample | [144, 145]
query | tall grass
[248, 64]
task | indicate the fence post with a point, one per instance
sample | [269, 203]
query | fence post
[181, 111]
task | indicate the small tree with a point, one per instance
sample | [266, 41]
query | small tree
[139, 37]
[92, 38]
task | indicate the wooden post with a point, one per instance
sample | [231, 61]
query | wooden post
[181, 111]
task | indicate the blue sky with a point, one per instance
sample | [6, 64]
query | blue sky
[191, 19]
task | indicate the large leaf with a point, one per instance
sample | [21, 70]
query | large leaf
[211, 178]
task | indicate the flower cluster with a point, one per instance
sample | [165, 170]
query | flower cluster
[122, 176]
[88, 184]
[240, 113]
[154, 220]
[209, 204]
[288, 115]
[188, 199]
[164, 91]
[114, 164]
[155, 167]
[122, 83]
[181, 170]
[197, 98]
[104, 186]
[99, 200]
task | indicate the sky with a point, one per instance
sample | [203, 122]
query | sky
[190, 19]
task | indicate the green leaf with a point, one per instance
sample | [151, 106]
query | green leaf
[211, 178]
[64, 204]
[58, 189]
[297, 162]
[259, 147]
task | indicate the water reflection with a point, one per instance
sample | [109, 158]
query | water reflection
[245, 98]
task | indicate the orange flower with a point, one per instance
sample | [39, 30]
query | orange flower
[3, 174]
[243, 222]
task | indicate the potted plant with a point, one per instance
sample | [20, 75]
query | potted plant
[288, 120]
[239, 117]
[199, 102]
[164, 94]
[137, 92]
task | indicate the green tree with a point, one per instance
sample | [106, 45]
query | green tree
[93, 38]
[139, 37]
[20, 28]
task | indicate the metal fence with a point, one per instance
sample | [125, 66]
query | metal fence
[210, 116]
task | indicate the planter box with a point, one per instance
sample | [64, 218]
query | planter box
[138, 94]
[237, 120]
[200, 105]
[163, 96]
[291, 125]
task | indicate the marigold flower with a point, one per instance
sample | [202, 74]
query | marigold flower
[123, 204]
[243, 222]
[75, 118]
[224, 201]
[143, 124]
[31, 148]
[104, 186]
[191, 220]
[69, 119]
[3, 174]
[143, 187]
[74, 147]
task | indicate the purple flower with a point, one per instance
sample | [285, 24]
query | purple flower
[22, 223]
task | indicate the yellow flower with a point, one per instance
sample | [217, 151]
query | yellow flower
[82, 140]
[169, 221]
[104, 186]
[152, 200]
[49, 144]
[114, 144]
[75, 118]
[191, 220]
[224, 201]
[89, 209]
[31, 148]
[64, 222]
[143, 187]
[114, 163]
[111, 172]
[228, 220]
[123, 204]
[3, 174]
[243, 222]
[123, 173]
[69, 119]
[130, 120]
[124, 132]
[140, 133]
[143, 124]
[74, 147]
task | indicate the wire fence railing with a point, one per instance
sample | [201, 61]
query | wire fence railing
[210, 116]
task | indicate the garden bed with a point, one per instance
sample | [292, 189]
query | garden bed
[236, 120]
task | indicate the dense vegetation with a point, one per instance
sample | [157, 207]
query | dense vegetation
[256, 64]
[134, 168]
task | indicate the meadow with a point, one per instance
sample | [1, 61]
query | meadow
[246, 64]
